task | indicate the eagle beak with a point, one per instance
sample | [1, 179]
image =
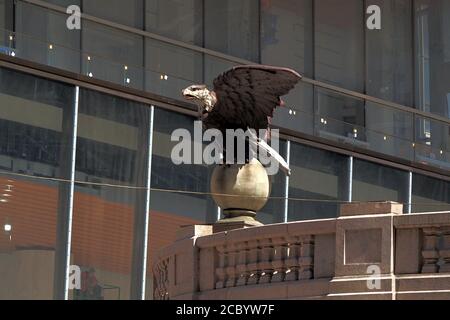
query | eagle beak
[187, 95]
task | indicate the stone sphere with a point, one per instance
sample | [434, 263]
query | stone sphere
[248, 183]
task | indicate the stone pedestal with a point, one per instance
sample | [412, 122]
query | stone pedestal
[240, 190]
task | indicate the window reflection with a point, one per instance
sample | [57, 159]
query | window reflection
[429, 194]
[176, 19]
[232, 27]
[187, 204]
[373, 182]
[112, 139]
[51, 43]
[389, 55]
[318, 175]
[30, 145]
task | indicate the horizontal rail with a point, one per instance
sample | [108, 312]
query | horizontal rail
[240, 61]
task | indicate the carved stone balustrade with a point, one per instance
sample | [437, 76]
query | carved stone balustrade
[372, 251]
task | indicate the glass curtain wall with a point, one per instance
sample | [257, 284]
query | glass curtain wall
[339, 60]
[430, 194]
[111, 161]
[316, 175]
[42, 36]
[374, 182]
[32, 148]
[286, 39]
[232, 27]
[178, 196]
[172, 68]
[432, 62]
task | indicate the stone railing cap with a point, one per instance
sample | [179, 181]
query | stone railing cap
[368, 208]
[186, 232]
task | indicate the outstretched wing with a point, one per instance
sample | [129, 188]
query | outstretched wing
[248, 95]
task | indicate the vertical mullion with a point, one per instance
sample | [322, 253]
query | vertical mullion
[286, 185]
[409, 194]
[65, 202]
[349, 196]
[141, 224]
[147, 201]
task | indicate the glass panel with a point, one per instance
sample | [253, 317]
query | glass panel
[176, 19]
[429, 194]
[389, 131]
[342, 114]
[298, 112]
[339, 43]
[287, 34]
[373, 182]
[109, 54]
[273, 212]
[178, 191]
[432, 143]
[111, 157]
[30, 152]
[432, 29]
[128, 12]
[170, 69]
[231, 27]
[389, 54]
[317, 175]
[51, 43]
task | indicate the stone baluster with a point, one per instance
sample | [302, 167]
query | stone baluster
[231, 266]
[220, 270]
[292, 263]
[265, 261]
[160, 276]
[306, 260]
[430, 253]
[241, 267]
[252, 262]
[444, 253]
[278, 262]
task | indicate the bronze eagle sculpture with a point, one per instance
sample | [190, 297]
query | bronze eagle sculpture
[244, 97]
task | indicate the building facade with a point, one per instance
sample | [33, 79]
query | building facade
[86, 117]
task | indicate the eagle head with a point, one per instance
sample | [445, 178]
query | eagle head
[200, 95]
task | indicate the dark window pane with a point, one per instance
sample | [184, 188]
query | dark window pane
[389, 53]
[112, 55]
[273, 212]
[339, 60]
[373, 182]
[170, 69]
[287, 40]
[339, 43]
[43, 37]
[432, 29]
[232, 27]
[317, 175]
[287, 34]
[430, 194]
[128, 12]
[31, 145]
[178, 195]
[389, 131]
[339, 116]
[176, 19]
[111, 155]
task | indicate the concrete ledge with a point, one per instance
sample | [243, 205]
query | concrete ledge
[369, 208]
